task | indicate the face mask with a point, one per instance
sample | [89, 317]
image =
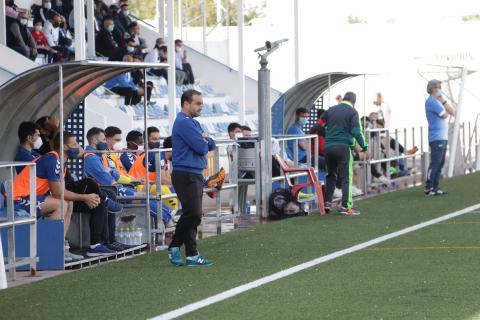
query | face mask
[154, 145]
[62, 24]
[126, 12]
[38, 28]
[110, 28]
[73, 153]
[238, 135]
[24, 21]
[118, 146]
[47, 5]
[56, 24]
[141, 148]
[38, 143]
[439, 93]
[302, 121]
[130, 49]
[102, 146]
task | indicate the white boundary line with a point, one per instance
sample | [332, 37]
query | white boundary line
[287, 272]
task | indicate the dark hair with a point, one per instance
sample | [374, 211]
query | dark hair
[178, 41]
[26, 129]
[133, 24]
[232, 126]
[246, 128]
[151, 130]
[123, 5]
[167, 143]
[163, 48]
[350, 97]
[41, 121]
[111, 131]
[187, 96]
[94, 131]
[381, 122]
[133, 136]
[129, 40]
[320, 113]
[299, 111]
[66, 135]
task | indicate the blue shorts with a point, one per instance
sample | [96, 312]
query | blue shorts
[24, 204]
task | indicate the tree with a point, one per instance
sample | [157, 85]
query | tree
[192, 11]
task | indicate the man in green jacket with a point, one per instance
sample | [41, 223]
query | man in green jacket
[342, 130]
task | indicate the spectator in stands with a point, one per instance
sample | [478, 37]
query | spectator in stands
[107, 176]
[51, 30]
[301, 119]
[382, 109]
[123, 19]
[105, 42]
[181, 62]
[66, 40]
[45, 12]
[338, 99]
[19, 37]
[29, 137]
[124, 86]
[138, 79]
[133, 33]
[101, 11]
[234, 130]
[134, 142]
[11, 10]
[49, 126]
[160, 42]
[41, 42]
[246, 131]
[321, 140]
[121, 51]
[179, 74]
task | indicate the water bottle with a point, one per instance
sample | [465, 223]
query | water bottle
[253, 208]
[247, 208]
[140, 236]
[128, 237]
[121, 235]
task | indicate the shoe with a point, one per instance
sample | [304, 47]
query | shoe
[99, 250]
[67, 257]
[427, 191]
[216, 181]
[348, 211]
[116, 246]
[198, 260]
[75, 257]
[437, 192]
[328, 207]
[175, 257]
[356, 191]
[383, 180]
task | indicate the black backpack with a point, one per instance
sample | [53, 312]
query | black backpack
[282, 205]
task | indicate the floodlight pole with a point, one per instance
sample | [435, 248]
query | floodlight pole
[265, 127]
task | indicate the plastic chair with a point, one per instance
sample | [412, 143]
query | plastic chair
[312, 181]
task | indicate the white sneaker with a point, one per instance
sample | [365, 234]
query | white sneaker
[383, 180]
[356, 191]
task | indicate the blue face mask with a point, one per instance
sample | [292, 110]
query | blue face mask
[439, 93]
[73, 153]
[302, 121]
[102, 146]
[110, 28]
[154, 145]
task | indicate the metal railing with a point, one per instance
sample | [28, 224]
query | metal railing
[11, 222]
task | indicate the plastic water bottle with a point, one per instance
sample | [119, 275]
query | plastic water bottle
[140, 236]
[247, 208]
[128, 237]
[121, 235]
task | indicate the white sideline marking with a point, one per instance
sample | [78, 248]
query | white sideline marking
[287, 272]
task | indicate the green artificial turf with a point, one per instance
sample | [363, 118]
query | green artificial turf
[147, 286]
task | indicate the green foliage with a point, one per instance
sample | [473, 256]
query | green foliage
[472, 17]
[354, 19]
[192, 11]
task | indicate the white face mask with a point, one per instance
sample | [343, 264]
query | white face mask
[38, 143]
[141, 148]
[238, 135]
[118, 146]
[47, 5]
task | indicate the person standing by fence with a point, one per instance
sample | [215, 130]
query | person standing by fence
[190, 146]
[437, 110]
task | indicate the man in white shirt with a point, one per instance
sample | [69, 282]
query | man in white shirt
[181, 62]
[52, 31]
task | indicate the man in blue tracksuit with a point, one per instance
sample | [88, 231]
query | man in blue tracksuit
[190, 146]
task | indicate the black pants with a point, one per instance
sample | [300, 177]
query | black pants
[110, 223]
[339, 161]
[98, 215]
[131, 96]
[190, 78]
[189, 188]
